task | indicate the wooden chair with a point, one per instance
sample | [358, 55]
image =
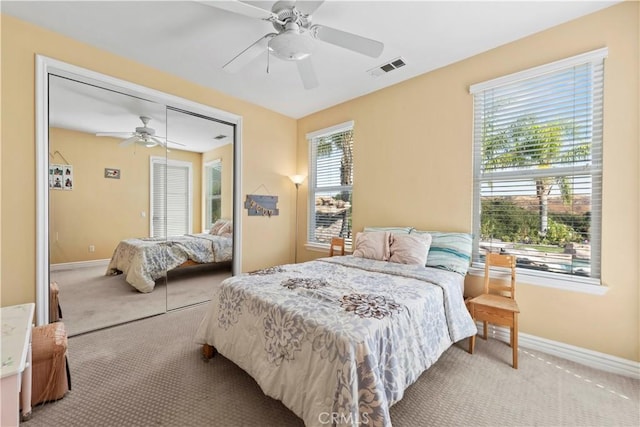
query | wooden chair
[497, 305]
[337, 243]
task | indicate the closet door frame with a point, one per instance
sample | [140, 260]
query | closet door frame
[46, 66]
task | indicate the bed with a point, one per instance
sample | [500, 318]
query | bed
[337, 340]
[145, 260]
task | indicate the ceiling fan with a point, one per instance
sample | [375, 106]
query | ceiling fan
[143, 135]
[295, 36]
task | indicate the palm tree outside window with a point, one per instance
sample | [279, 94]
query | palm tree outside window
[538, 167]
[330, 184]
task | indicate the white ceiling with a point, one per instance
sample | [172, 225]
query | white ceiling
[87, 108]
[194, 40]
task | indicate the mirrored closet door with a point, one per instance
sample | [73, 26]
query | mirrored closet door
[139, 206]
[199, 205]
[99, 202]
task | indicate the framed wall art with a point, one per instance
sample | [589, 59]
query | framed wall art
[60, 177]
[112, 173]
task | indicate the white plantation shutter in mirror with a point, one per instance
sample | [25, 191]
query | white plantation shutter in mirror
[177, 200]
[171, 198]
[330, 184]
[538, 167]
[158, 199]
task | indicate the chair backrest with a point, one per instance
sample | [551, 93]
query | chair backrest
[505, 288]
[336, 243]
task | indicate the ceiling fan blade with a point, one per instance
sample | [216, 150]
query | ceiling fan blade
[129, 141]
[175, 143]
[349, 41]
[242, 9]
[115, 134]
[307, 73]
[249, 54]
[161, 140]
[157, 141]
[308, 7]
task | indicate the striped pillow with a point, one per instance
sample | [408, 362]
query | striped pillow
[392, 230]
[449, 251]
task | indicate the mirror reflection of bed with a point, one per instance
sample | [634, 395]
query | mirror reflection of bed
[156, 192]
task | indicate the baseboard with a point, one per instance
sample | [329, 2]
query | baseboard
[79, 264]
[593, 359]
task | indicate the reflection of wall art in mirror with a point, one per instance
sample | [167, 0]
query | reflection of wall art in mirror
[112, 173]
[60, 177]
[257, 205]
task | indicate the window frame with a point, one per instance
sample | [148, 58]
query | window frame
[313, 189]
[208, 197]
[548, 279]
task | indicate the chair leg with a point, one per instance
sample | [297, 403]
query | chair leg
[486, 330]
[472, 338]
[514, 340]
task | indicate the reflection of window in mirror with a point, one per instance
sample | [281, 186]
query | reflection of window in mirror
[171, 194]
[213, 191]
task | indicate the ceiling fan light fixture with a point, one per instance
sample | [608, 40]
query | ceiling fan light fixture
[291, 45]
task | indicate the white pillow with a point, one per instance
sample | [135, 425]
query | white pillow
[221, 226]
[410, 248]
[373, 245]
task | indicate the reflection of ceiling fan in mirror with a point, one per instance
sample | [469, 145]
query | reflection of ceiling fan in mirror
[295, 37]
[143, 135]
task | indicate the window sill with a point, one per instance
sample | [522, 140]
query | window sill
[319, 247]
[584, 285]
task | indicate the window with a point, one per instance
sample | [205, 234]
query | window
[170, 197]
[213, 206]
[538, 168]
[330, 184]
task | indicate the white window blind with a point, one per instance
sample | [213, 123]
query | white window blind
[538, 167]
[330, 184]
[171, 197]
[213, 209]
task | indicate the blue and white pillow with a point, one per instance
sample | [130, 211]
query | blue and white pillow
[449, 251]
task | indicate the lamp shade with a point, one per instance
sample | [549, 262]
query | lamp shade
[297, 179]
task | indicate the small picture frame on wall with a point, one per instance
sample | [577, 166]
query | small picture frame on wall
[112, 173]
[60, 177]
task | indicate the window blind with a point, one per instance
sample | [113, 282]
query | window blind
[538, 166]
[330, 184]
[171, 202]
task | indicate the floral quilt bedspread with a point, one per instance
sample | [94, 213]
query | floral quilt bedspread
[337, 340]
[143, 261]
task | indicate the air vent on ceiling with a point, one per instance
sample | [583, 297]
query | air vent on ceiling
[383, 69]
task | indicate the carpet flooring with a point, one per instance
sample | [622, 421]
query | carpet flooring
[150, 373]
[90, 300]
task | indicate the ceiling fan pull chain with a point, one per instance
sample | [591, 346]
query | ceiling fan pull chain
[268, 56]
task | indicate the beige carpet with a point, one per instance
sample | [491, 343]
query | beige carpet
[90, 300]
[150, 373]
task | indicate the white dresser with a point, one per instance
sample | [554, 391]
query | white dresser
[16, 323]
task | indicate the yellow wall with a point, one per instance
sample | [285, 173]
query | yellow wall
[98, 211]
[268, 151]
[101, 211]
[413, 166]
